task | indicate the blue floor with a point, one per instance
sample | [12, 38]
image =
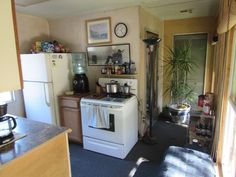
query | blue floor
[85, 163]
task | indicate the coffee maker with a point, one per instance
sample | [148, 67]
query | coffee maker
[80, 81]
[7, 124]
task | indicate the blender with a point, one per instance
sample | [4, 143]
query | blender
[80, 81]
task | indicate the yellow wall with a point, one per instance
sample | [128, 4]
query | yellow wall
[30, 29]
[9, 70]
[190, 26]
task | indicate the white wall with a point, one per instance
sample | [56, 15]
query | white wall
[72, 33]
[30, 29]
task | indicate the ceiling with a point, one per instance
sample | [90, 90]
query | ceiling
[164, 9]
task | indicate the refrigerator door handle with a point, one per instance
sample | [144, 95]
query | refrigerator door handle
[46, 95]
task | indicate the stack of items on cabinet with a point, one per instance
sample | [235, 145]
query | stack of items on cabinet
[201, 127]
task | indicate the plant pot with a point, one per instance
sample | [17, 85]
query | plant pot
[179, 115]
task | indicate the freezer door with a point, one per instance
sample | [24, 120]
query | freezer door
[36, 67]
[39, 103]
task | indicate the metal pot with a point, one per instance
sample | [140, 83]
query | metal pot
[3, 109]
[125, 89]
[112, 87]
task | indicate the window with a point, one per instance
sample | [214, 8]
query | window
[7, 97]
[198, 44]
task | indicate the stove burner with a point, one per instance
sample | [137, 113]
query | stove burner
[119, 95]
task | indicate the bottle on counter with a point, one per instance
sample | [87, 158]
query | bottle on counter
[132, 68]
[206, 107]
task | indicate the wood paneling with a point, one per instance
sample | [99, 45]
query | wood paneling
[50, 159]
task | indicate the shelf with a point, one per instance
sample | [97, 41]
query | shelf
[193, 135]
[201, 114]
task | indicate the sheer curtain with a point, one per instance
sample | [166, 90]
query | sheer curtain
[221, 71]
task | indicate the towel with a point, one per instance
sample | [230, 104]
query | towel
[98, 117]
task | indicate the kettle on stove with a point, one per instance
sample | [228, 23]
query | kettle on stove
[7, 124]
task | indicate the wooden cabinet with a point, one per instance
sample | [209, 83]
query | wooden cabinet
[70, 115]
[10, 68]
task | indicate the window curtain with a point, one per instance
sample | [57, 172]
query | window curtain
[221, 70]
[226, 15]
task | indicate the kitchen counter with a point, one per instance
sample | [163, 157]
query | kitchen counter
[42, 152]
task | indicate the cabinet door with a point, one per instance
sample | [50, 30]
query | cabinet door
[9, 60]
[71, 118]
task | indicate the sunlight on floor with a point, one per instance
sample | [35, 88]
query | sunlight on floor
[138, 163]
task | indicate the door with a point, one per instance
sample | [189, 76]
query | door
[116, 132]
[60, 65]
[39, 102]
[70, 117]
[35, 67]
[198, 43]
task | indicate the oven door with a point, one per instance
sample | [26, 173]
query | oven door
[114, 134]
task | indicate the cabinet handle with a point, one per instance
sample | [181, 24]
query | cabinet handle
[46, 97]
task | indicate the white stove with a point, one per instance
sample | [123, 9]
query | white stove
[110, 124]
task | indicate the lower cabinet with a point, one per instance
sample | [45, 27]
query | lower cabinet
[70, 116]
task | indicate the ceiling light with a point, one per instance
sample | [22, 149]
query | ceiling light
[26, 3]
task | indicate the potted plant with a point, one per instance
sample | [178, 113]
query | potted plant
[179, 64]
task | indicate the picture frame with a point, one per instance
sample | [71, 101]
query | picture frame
[99, 31]
[102, 55]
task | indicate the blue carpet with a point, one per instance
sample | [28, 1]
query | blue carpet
[86, 163]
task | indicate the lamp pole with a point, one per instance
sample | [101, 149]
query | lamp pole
[151, 45]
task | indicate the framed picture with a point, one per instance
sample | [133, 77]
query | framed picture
[99, 30]
[115, 54]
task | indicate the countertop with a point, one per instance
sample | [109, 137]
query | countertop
[36, 133]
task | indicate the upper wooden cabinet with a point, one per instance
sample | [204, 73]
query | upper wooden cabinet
[10, 68]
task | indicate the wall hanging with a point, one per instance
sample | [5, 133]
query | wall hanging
[99, 31]
[116, 54]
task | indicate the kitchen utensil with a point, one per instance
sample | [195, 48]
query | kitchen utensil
[126, 89]
[112, 87]
[7, 124]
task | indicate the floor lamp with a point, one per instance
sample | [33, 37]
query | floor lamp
[151, 45]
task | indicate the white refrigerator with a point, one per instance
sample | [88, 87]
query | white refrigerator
[45, 76]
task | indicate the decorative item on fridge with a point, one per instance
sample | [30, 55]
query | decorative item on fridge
[48, 47]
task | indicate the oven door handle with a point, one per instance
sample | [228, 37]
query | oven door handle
[101, 105]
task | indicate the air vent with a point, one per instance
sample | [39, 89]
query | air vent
[186, 11]
[26, 3]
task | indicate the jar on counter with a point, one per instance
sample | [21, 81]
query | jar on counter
[206, 107]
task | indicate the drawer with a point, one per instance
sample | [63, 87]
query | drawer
[104, 147]
[69, 103]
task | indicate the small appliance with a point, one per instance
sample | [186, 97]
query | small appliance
[7, 124]
[80, 81]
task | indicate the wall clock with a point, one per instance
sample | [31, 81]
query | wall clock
[120, 30]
